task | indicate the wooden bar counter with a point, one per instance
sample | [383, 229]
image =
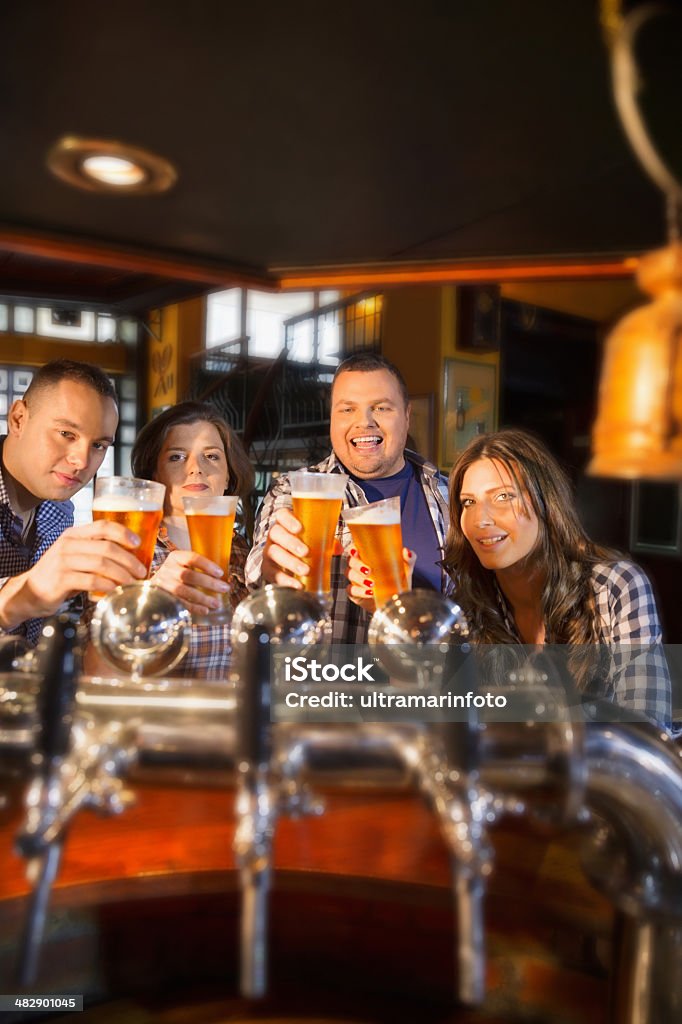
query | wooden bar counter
[144, 917]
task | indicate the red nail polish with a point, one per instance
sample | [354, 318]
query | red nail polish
[369, 583]
[364, 570]
[409, 553]
[353, 552]
[369, 593]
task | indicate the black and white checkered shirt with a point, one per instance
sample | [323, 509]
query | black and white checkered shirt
[51, 519]
[349, 622]
[631, 629]
[635, 675]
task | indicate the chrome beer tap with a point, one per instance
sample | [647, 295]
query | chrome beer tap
[422, 637]
[78, 762]
[256, 806]
[464, 809]
[621, 783]
[41, 839]
[267, 785]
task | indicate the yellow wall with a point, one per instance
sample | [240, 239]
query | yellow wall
[177, 334]
[30, 350]
[411, 339]
[411, 335]
[420, 333]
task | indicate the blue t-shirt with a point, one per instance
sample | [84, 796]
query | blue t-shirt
[419, 533]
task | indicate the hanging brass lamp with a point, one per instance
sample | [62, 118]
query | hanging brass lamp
[638, 429]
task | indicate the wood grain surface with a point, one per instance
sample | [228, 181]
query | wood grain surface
[361, 893]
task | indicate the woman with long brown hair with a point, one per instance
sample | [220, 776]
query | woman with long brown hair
[192, 450]
[526, 572]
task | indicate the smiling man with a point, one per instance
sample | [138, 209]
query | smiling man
[370, 418]
[58, 435]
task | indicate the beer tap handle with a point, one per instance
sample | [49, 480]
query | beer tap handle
[254, 737]
[460, 739]
[58, 661]
[57, 656]
[460, 749]
[256, 808]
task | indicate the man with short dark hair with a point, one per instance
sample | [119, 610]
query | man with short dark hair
[370, 416]
[58, 435]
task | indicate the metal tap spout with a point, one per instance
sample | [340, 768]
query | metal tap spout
[274, 615]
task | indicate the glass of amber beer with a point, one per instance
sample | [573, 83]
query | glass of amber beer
[377, 535]
[210, 521]
[137, 504]
[317, 501]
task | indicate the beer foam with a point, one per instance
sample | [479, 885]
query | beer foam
[211, 508]
[376, 517]
[315, 495]
[123, 503]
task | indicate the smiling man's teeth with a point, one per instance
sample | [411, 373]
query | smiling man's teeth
[487, 541]
[366, 439]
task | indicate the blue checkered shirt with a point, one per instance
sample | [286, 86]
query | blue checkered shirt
[51, 519]
[349, 622]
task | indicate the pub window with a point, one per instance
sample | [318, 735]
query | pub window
[261, 318]
[24, 320]
[106, 328]
[75, 324]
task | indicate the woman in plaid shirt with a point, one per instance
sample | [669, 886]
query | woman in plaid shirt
[526, 572]
[192, 450]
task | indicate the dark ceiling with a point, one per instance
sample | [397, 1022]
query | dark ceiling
[313, 135]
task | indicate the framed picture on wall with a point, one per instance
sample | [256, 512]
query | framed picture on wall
[469, 405]
[656, 518]
[420, 437]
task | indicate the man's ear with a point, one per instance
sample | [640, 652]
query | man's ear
[17, 417]
[408, 412]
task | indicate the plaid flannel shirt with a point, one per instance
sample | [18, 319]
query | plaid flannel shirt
[349, 622]
[210, 650]
[51, 519]
[635, 675]
[631, 629]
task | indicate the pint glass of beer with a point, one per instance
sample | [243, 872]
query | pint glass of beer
[377, 535]
[137, 504]
[210, 521]
[317, 501]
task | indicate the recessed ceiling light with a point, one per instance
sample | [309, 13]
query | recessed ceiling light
[101, 165]
[113, 170]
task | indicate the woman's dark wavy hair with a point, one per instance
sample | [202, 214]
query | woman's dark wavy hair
[149, 442]
[563, 552]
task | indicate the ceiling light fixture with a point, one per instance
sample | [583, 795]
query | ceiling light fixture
[114, 168]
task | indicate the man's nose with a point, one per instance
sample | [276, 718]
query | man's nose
[367, 418]
[79, 454]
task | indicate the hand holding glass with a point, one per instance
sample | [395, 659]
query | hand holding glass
[377, 535]
[317, 501]
[137, 504]
[210, 521]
